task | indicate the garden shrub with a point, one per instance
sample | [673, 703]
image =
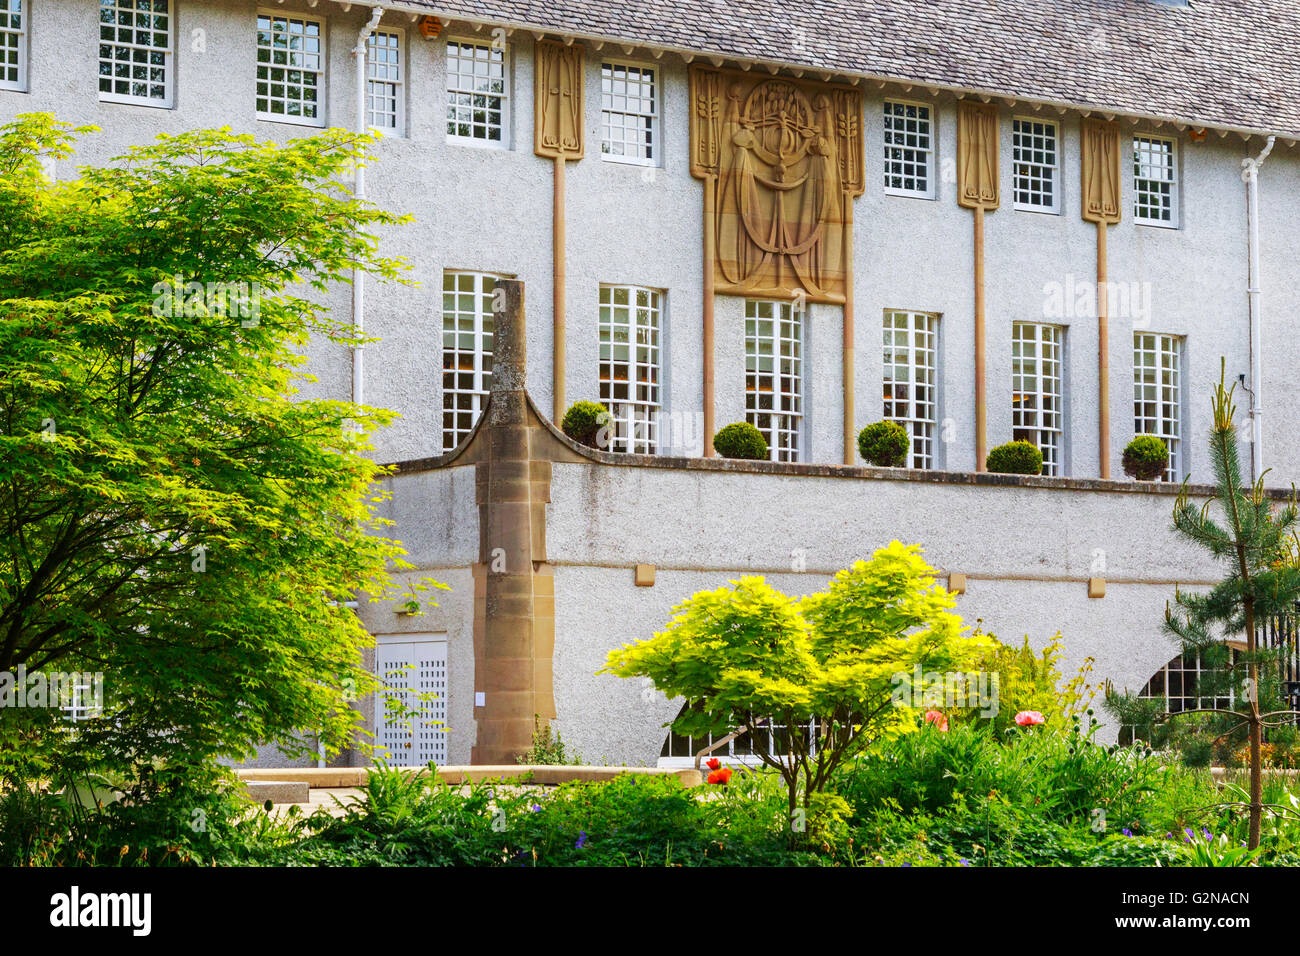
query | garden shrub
[1015, 458]
[885, 444]
[547, 749]
[584, 422]
[1029, 682]
[628, 821]
[1146, 457]
[740, 440]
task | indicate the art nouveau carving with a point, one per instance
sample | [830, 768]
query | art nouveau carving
[977, 155]
[557, 100]
[1099, 172]
[785, 156]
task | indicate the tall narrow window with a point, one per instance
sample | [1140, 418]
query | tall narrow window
[385, 106]
[13, 45]
[909, 150]
[1157, 394]
[1155, 181]
[774, 375]
[476, 93]
[1036, 390]
[291, 69]
[466, 352]
[135, 52]
[629, 113]
[1035, 165]
[629, 366]
[911, 374]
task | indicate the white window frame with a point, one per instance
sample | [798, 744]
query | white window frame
[1046, 425]
[635, 413]
[679, 750]
[15, 11]
[1158, 394]
[1033, 168]
[451, 92]
[396, 79]
[911, 380]
[909, 152]
[322, 73]
[479, 352]
[1139, 179]
[168, 52]
[782, 362]
[606, 111]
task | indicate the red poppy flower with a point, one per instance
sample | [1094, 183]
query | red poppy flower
[720, 776]
[713, 763]
[1027, 718]
[938, 718]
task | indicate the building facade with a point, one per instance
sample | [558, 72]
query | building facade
[986, 221]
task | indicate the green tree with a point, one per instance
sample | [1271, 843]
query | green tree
[746, 654]
[174, 514]
[1256, 539]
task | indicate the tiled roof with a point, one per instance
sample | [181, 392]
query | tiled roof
[1220, 63]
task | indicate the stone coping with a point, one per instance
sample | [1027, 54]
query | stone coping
[346, 777]
[739, 466]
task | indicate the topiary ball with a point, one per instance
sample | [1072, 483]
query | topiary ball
[1146, 457]
[1015, 458]
[583, 423]
[740, 440]
[885, 444]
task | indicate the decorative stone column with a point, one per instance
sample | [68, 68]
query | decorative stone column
[514, 620]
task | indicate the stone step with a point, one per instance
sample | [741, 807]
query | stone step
[277, 791]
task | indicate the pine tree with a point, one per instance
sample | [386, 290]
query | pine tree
[1258, 542]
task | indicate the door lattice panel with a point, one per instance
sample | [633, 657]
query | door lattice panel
[410, 720]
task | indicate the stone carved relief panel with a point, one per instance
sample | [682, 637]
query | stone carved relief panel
[977, 155]
[557, 100]
[1099, 172]
[786, 159]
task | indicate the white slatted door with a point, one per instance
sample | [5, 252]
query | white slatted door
[411, 665]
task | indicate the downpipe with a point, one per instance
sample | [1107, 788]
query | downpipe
[1250, 176]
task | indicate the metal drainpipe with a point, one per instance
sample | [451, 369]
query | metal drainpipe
[359, 190]
[358, 277]
[1250, 175]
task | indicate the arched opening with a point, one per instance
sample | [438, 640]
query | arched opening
[1181, 686]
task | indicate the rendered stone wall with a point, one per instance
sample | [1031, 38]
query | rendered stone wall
[1028, 548]
[488, 209]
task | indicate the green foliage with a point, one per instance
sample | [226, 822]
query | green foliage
[1241, 526]
[746, 654]
[885, 444]
[629, 821]
[1026, 681]
[740, 440]
[587, 423]
[547, 749]
[1146, 457]
[176, 515]
[1015, 458]
[1064, 776]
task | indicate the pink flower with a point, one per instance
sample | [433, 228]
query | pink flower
[1027, 718]
[938, 718]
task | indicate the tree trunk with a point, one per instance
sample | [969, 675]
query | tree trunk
[1256, 733]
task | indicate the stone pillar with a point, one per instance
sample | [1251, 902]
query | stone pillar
[514, 620]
